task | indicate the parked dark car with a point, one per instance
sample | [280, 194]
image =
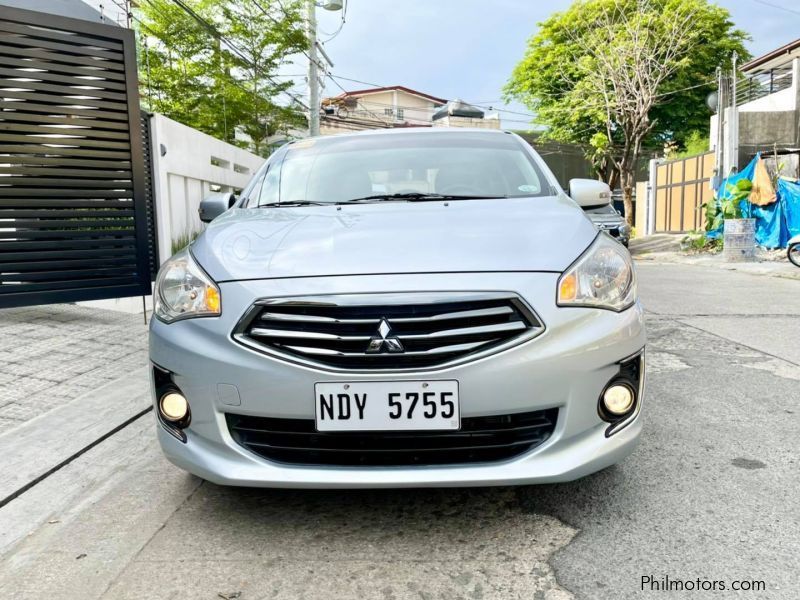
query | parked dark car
[607, 218]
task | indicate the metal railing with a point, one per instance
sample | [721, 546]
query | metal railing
[764, 83]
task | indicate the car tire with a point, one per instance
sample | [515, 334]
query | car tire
[793, 254]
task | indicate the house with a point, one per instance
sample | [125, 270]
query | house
[768, 103]
[378, 108]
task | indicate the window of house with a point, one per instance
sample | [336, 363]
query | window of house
[400, 114]
[389, 112]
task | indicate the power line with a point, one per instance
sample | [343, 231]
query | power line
[333, 79]
[215, 33]
[341, 24]
[274, 20]
[779, 7]
[472, 103]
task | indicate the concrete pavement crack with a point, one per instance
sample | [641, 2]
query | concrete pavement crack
[738, 343]
[19, 491]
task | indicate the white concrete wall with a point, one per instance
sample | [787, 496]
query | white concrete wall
[490, 122]
[779, 101]
[185, 174]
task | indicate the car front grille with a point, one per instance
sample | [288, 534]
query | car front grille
[480, 439]
[387, 331]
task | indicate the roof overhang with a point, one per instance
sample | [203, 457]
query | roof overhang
[777, 58]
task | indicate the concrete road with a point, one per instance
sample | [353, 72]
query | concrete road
[711, 493]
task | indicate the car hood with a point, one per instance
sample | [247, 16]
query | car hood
[520, 234]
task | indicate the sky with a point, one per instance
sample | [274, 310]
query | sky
[467, 49]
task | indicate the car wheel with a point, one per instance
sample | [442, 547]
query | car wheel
[794, 254]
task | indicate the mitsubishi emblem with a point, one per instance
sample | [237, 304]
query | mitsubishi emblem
[382, 342]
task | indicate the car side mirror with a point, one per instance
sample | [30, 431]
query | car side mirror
[214, 205]
[589, 192]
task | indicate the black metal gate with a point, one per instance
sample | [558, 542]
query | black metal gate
[150, 195]
[73, 214]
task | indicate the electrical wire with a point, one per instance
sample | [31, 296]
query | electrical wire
[789, 10]
[472, 103]
[215, 32]
[341, 24]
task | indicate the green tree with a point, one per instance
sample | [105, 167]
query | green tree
[214, 66]
[623, 76]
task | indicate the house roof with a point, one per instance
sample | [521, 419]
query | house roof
[778, 57]
[399, 88]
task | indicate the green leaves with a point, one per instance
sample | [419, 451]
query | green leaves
[736, 193]
[561, 80]
[730, 207]
[219, 75]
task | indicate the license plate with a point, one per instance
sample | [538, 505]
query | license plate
[387, 405]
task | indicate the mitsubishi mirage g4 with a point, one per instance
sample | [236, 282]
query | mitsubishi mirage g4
[394, 309]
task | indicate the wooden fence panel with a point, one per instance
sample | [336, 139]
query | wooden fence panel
[682, 186]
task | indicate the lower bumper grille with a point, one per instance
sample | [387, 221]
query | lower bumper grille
[480, 439]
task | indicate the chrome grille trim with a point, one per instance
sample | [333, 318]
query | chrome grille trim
[499, 328]
[436, 329]
[431, 352]
[485, 312]
[260, 332]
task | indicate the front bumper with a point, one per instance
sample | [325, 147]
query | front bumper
[566, 367]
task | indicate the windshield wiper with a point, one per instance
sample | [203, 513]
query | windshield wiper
[418, 197]
[294, 203]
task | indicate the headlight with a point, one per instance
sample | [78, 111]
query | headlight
[603, 277]
[183, 290]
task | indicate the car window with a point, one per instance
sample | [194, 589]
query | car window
[338, 170]
[250, 192]
[269, 187]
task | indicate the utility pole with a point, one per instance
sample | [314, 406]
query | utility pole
[313, 59]
[734, 118]
[718, 150]
[313, 75]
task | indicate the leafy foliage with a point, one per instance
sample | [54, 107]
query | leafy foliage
[731, 205]
[713, 215]
[697, 241]
[556, 77]
[694, 144]
[216, 72]
[184, 239]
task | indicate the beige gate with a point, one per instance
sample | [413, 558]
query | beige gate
[682, 186]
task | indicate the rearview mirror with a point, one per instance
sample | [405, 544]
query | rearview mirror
[589, 192]
[214, 205]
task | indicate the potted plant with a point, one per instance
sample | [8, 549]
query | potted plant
[739, 230]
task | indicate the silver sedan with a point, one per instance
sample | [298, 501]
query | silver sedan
[399, 308]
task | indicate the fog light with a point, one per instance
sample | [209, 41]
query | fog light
[618, 399]
[173, 406]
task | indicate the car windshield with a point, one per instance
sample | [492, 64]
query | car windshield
[403, 167]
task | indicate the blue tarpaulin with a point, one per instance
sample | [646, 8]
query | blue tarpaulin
[789, 199]
[776, 222]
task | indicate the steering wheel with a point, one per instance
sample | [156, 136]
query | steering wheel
[457, 189]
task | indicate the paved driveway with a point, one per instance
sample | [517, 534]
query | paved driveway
[711, 493]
